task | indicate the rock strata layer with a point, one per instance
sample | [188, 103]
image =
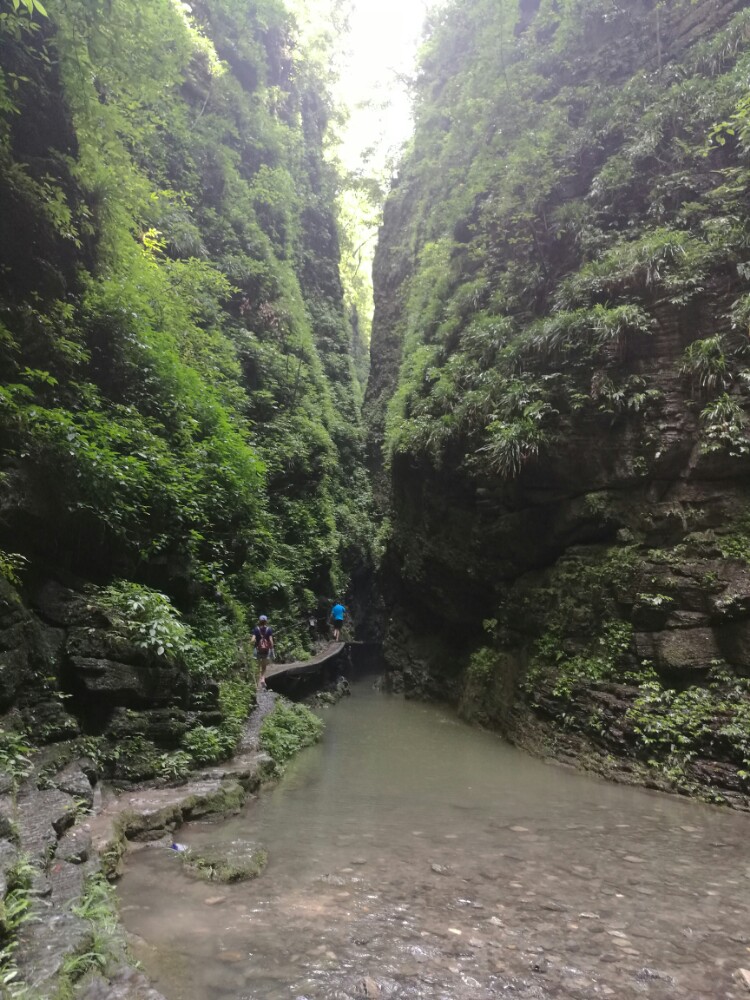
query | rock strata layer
[558, 408]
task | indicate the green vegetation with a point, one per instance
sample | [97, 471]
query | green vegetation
[11, 565]
[673, 727]
[582, 639]
[181, 355]
[146, 617]
[178, 399]
[550, 219]
[15, 750]
[288, 729]
[561, 383]
[98, 906]
[15, 910]
[207, 744]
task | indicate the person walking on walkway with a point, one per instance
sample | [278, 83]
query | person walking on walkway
[262, 640]
[338, 614]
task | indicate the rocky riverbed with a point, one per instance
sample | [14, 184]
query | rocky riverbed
[63, 828]
[413, 857]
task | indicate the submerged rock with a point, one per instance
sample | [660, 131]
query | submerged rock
[441, 869]
[125, 984]
[368, 988]
[217, 864]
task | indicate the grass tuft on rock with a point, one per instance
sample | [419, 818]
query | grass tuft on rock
[213, 866]
[288, 729]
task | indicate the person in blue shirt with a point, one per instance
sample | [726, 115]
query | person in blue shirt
[338, 614]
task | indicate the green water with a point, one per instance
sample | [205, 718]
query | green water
[438, 861]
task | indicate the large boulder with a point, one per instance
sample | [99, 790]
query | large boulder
[111, 682]
[59, 605]
[30, 653]
[111, 671]
[163, 726]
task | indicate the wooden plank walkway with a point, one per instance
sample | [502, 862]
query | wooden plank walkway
[306, 666]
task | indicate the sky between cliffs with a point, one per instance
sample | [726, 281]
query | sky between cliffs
[378, 55]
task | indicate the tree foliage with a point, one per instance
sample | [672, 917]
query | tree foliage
[178, 402]
[569, 181]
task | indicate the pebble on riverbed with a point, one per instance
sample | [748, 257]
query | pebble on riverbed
[368, 988]
[441, 869]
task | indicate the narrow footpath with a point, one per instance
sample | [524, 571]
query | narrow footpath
[331, 651]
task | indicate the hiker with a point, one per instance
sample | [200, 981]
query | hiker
[262, 639]
[338, 613]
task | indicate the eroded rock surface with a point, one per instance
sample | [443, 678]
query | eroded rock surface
[68, 831]
[568, 544]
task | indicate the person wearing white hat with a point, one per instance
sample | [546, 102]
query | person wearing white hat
[262, 640]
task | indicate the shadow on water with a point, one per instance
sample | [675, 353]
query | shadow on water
[442, 863]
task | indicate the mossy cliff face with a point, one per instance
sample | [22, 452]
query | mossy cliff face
[178, 402]
[558, 396]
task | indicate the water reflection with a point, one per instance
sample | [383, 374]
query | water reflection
[411, 854]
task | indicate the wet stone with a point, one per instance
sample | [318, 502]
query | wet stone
[44, 946]
[646, 975]
[74, 782]
[41, 885]
[42, 817]
[368, 988]
[75, 846]
[125, 984]
[67, 880]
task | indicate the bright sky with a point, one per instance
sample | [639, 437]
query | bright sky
[382, 46]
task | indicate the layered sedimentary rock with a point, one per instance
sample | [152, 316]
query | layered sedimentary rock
[558, 402]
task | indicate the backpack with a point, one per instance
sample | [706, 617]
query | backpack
[263, 644]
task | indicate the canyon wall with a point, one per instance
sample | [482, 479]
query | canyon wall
[558, 396]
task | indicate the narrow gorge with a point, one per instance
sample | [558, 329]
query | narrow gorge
[533, 499]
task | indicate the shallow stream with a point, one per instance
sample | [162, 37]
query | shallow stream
[411, 852]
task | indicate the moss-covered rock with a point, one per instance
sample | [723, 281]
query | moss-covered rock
[225, 865]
